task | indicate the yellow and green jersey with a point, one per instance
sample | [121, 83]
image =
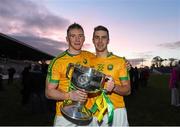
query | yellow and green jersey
[57, 70]
[116, 67]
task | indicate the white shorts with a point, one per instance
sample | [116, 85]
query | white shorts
[61, 121]
[119, 119]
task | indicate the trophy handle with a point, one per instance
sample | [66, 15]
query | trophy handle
[70, 65]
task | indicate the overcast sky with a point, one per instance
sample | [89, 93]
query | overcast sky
[138, 28]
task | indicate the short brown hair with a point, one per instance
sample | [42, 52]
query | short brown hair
[101, 28]
[74, 26]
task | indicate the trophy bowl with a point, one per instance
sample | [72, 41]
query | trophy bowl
[86, 78]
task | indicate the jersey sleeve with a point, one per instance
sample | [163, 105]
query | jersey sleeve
[123, 72]
[53, 75]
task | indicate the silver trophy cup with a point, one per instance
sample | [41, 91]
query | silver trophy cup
[85, 78]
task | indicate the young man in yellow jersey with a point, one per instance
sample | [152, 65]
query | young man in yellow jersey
[115, 69]
[57, 84]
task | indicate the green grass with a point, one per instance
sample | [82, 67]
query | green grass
[151, 105]
[13, 113]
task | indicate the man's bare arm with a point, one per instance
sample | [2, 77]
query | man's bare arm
[52, 92]
[123, 89]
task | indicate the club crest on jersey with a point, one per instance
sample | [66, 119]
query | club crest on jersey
[110, 67]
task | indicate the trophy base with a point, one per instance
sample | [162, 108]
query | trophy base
[76, 113]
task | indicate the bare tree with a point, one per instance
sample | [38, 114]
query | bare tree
[157, 61]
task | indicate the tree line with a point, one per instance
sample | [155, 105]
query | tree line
[157, 61]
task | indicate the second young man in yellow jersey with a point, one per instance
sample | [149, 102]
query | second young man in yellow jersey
[115, 68]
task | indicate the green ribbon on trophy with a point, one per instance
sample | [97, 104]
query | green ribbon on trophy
[102, 103]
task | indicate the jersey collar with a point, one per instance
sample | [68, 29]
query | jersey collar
[107, 56]
[71, 54]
